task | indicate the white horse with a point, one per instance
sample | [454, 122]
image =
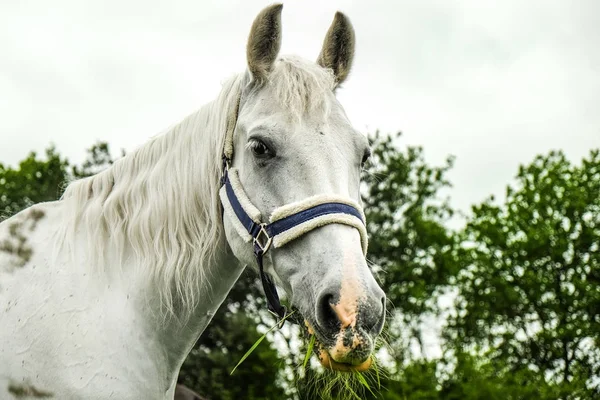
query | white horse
[104, 293]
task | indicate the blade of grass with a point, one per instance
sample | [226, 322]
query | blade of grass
[377, 375]
[364, 382]
[309, 351]
[260, 339]
[349, 388]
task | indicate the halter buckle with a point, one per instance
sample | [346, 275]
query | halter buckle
[262, 240]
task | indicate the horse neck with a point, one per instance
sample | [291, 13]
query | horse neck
[178, 325]
[178, 332]
[160, 341]
[152, 223]
[176, 335]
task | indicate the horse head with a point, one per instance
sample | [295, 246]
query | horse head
[291, 193]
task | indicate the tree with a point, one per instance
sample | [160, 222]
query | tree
[409, 242]
[38, 180]
[33, 181]
[529, 287]
[98, 159]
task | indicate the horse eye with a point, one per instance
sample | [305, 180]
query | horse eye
[259, 149]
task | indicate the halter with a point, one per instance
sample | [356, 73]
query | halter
[285, 223]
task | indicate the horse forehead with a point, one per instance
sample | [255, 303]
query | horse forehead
[331, 126]
[312, 130]
[266, 104]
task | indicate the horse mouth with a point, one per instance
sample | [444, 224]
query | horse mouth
[328, 361]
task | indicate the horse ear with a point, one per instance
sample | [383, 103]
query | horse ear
[338, 48]
[264, 41]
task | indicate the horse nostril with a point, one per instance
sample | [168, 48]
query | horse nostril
[326, 316]
[366, 313]
[378, 320]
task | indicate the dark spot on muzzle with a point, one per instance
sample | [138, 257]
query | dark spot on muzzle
[348, 337]
[356, 346]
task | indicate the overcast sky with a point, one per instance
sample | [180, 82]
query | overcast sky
[493, 83]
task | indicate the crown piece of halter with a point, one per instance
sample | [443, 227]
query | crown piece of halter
[285, 223]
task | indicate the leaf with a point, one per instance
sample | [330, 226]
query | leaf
[377, 375]
[364, 382]
[311, 344]
[260, 339]
[351, 390]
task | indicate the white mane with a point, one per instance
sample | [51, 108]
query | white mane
[162, 199]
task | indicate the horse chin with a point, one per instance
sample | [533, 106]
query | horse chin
[328, 362]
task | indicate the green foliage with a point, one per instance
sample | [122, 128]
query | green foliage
[333, 385]
[529, 290]
[309, 351]
[416, 381]
[260, 339]
[408, 240]
[98, 159]
[470, 378]
[475, 377]
[35, 180]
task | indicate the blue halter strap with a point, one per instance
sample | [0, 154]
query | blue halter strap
[262, 234]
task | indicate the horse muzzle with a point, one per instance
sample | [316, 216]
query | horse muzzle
[350, 350]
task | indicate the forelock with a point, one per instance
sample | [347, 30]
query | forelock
[301, 86]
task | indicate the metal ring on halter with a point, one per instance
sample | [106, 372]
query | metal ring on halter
[262, 239]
